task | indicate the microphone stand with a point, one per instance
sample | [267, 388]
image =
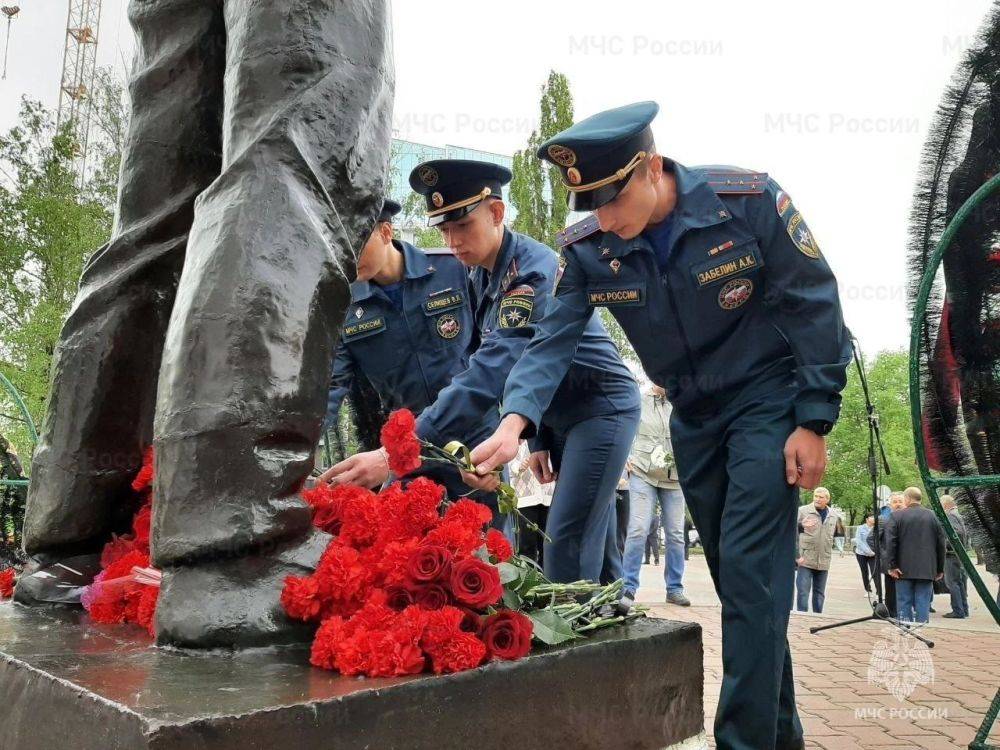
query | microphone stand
[879, 610]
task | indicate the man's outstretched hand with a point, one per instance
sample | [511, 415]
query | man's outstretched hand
[500, 447]
[805, 458]
[368, 469]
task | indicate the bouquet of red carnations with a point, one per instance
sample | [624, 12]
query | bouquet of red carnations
[127, 589]
[412, 582]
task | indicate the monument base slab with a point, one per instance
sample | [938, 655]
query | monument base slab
[67, 683]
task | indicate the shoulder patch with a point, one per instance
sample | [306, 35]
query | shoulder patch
[578, 231]
[795, 225]
[516, 307]
[736, 181]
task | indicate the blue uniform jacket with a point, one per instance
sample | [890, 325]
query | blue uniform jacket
[408, 354]
[745, 300]
[509, 303]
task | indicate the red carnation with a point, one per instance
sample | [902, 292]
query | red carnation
[461, 651]
[469, 513]
[439, 625]
[301, 598]
[498, 546]
[400, 442]
[359, 515]
[507, 635]
[459, 539]
[146, 613]
[324, 647]
[476, 583]
[117, 548]
[326, 504]
[7, 576]
[144, 479]
[142, 524]
[429, 563]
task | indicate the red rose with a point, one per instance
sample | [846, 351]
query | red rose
[461, 651]
[400, 442]
[7, 576]
[498, 546]
[507, 635]
[429, 563]
[476, 583]
[399, 597]
[432, 596]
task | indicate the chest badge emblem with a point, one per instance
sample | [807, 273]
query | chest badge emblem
[448, 326]
[605, 252]
[735, 293]
[615, 265]
[359, 313]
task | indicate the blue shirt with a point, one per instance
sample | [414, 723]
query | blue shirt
[659, 237]
[861, 536]
[745, 305]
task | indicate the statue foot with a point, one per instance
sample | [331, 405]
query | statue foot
[235, 602]
[52, 578]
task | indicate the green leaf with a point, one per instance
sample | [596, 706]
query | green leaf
[509, 573]
[550, 628]
[511, 600]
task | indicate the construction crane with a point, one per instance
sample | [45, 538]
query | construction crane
[79, 68]
[10, 11]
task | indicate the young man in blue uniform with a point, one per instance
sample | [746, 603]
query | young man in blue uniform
[585, 434]
[722, 290]
[409, 330]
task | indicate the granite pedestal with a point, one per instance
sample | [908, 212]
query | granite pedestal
[65, 683]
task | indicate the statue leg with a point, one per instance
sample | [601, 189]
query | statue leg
[100, 414]
[242, 389]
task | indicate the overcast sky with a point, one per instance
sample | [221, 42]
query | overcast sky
[833, 100]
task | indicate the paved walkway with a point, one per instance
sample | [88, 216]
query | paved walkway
[845, 678]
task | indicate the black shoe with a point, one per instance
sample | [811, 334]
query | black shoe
[933, 611]
[952, 616]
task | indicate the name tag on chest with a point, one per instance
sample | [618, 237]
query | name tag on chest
[718, 269]
[364, 328]
[440, 302]
[634, 295]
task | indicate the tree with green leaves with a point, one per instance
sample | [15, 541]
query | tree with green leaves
[50, 223]
[847, 445]
[536, 190]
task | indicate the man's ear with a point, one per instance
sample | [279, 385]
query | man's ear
[497, 210]
[385, 230]
[655, 167]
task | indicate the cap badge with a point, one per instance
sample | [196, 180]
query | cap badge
[573, 175]
[437, 199]
[561, 155]
[428, 175]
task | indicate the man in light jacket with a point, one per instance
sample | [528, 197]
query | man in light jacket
[653, 478]
[817, 525]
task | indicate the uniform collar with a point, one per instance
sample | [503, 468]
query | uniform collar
[698, 205]
[416, 262]
[496, 277]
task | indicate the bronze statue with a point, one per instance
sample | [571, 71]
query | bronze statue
[254, 169]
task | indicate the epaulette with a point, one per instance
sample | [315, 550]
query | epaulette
[734, 181]
[436, 251]
[578, 231]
